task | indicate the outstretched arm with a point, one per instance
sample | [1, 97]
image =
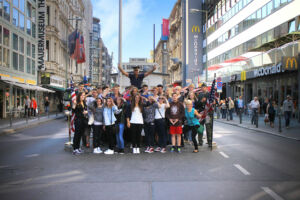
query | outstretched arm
[150, 72]
[122, 71]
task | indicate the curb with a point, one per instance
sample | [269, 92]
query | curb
[259, 130]
[8, 131]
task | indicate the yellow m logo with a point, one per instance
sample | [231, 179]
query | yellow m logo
[291, 64]
[195, 29]
[243, 76]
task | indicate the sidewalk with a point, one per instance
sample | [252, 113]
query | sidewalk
[291, 133]
[20, 123]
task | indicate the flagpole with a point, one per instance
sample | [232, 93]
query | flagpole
[120, 33]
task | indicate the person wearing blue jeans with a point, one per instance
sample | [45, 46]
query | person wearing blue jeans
[120, 115]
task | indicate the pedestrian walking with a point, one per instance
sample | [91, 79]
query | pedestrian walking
[254, 106]
[79, 107]
[136, 78]
[230, 107]
[223, 108]
[33, 106]
[27, 106]
[109, 124]
[175, 114]
[270, 111]
[288, 110]
[192, 124]
[46, 104]
[160, 124]
[240, 105]
[135, 121]
[97, 110]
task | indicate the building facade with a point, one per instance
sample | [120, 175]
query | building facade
[162, 59]
[105, 64]
[96, 52]
[253, 45]
[18, 55]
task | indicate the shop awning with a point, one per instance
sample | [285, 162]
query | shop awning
[55, 88]
[214, 67]
[28, 87]
[290, 37]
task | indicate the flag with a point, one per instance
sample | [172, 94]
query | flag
[209, 102]
[79, 51]
[72, 42]
[165, 27]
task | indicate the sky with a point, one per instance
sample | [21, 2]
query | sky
[138, 19]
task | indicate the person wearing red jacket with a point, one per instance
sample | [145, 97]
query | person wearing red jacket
[33, 106]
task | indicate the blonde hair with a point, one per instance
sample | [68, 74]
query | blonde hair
[187, 102]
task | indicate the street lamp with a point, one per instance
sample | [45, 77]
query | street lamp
[194, 10]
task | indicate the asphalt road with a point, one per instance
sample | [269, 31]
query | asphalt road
[246, 165]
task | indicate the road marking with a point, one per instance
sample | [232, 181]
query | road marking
[272, 193]
[32, 155]
[243, 170]
[223, 154]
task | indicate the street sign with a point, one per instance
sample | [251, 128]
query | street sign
[219, 86]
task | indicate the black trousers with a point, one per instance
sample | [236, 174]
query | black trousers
[161, 129]
[149, 129]
[97, 132]
[194, 134]
[135, 131]
[110, 132]
[79, 131]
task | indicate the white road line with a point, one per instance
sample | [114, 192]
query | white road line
[32, 155]
[272, 193]
[243, 170]
[223, 154]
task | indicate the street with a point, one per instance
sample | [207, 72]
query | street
[246, 165]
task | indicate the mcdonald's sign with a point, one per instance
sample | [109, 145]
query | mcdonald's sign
[243, 76]
[290, 63]
[195, 29]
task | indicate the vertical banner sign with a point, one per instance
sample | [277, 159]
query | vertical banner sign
[91, 58]
[194, 39]
[41, 20]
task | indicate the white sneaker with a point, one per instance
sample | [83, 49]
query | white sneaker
[109, 152]
[95, 150]
[138, 150]
[133, 150]
[76, 152]
[147, 150]
[99, 149]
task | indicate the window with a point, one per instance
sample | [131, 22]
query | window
[15, 42]
[28, 10]
[1, 7]
[33, 30]
[0, 56]
[264, 11]
[22, 5]
[33, 14]
[15, 17]
[15, 61]
[21, 22]
[6, 8]
[283, 1]
[21, 63]
[258, 14]
[6, 58]
[55, 51]
[5, 37]
[16, 3]
[269, 7]
[276, 3]
[33, 51]
[292, 26]
[28, 66]
[28, 49]
[240, 5]
[47, 50]
[28, 27]
[0, 34]
[33, 67]
[48, 16]
[21, 45]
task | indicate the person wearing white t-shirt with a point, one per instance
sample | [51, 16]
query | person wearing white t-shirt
[135, 121]
[160, 123]
[254, 106]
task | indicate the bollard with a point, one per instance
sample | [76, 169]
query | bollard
[240, 115]
[256, 119]
[227, 114]
[10, 119]
[27, 117]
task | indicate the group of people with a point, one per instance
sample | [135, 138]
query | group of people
[30, 106]
[268, 108]
[164, 117]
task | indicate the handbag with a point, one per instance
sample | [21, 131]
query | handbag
[200, 129]
[266, 118]
[91, 119]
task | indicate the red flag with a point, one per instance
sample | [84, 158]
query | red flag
[165, 27]
[79, 52]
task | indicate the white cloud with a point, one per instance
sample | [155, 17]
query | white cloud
[108, 13]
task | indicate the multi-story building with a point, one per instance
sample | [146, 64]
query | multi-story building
[105, 64]
[162, 59]
[18, 54]
[174, 44]
[152, 80]
[253, 45]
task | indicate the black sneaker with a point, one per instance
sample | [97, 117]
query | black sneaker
[121, 151]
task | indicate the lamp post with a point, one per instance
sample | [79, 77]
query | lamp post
[194, 10]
